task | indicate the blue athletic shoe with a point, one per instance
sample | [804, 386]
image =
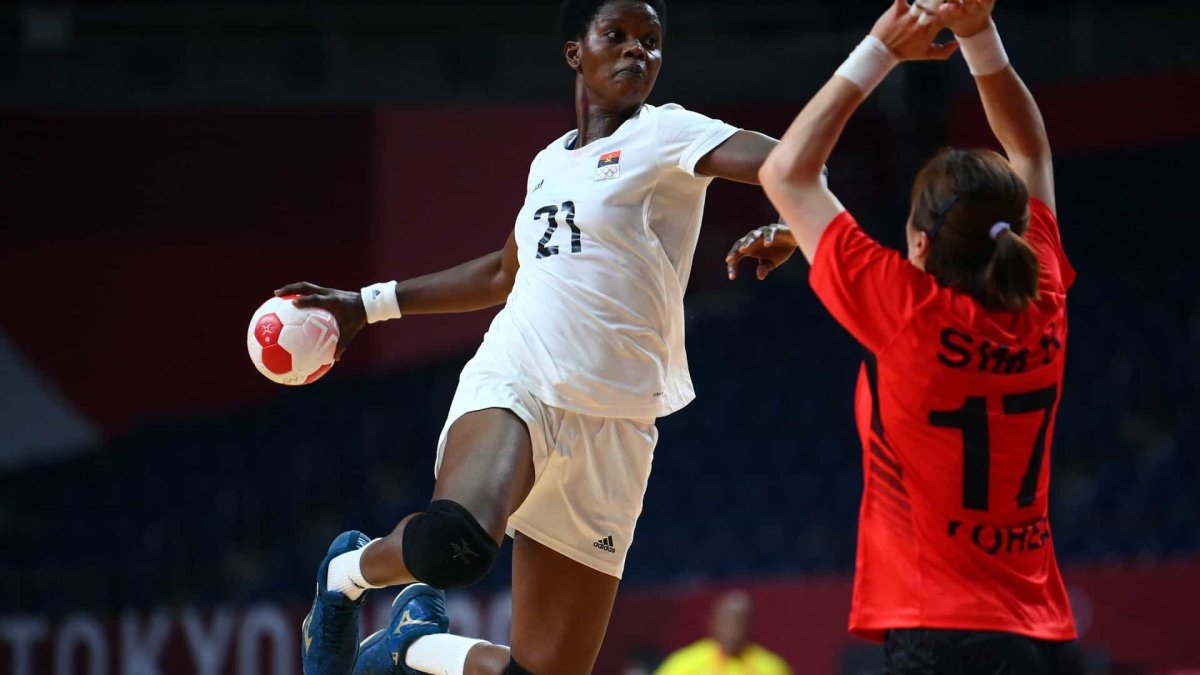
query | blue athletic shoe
[330, 631]
[419, 610]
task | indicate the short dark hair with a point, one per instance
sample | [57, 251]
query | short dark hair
[958, 197]
[576, 15]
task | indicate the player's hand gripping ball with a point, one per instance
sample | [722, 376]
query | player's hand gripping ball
[289, 344]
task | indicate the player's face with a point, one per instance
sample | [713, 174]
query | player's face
[731, 623]
[620, 55]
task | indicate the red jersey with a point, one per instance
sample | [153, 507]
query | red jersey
[955, 408]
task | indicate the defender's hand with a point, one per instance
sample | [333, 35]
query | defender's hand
[967, 17]
[345, 306]
[771, 245]
[908, 39]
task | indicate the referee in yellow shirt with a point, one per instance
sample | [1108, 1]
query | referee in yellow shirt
[729, 650]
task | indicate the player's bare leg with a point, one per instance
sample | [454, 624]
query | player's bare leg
[486, 472]
[560, 610]
[560, 615]
[487, 468]
[561, 607]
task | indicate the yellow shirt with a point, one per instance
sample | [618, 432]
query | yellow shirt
[705, 658]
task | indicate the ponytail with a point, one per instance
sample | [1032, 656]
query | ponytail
[975, 209]
[1010, 279]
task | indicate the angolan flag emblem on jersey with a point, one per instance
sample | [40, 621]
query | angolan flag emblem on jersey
[609, 166]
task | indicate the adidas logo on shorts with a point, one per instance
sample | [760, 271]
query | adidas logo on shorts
[605, 544]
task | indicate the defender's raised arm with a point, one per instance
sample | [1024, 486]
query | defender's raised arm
[1011, 111]
[791, 175]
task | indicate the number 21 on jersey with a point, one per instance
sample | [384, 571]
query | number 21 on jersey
[544, 250]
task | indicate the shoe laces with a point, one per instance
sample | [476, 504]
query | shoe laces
[335, 623]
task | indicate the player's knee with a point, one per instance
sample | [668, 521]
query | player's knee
[446, 547]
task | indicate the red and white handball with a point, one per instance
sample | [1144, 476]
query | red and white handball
[289, 344]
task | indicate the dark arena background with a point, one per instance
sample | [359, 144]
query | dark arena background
[165, 165]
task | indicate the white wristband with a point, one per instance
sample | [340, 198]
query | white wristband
[381, 302]
[984, 52]
[868, 64]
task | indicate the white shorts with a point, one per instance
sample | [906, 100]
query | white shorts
[590, 473]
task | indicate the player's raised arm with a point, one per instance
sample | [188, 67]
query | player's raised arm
[1011, 110]
[477, 284]
[739, 158]
[792, 174]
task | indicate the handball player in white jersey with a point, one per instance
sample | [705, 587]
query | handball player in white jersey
[552, 430]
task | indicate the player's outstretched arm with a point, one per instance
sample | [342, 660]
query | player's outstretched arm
[1011, 110]
[739, 158]
[477, 284]
[792, 174]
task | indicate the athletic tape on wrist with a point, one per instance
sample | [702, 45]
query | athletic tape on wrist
[868, 64]
[381, 302]
[984, 52]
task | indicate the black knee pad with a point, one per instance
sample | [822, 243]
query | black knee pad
[515, 668]
[446, 547]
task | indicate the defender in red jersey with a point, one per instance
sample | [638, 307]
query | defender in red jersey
[965, 338]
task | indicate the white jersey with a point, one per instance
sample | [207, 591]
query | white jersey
[594, 323]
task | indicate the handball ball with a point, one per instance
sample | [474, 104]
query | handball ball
[289, 344]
